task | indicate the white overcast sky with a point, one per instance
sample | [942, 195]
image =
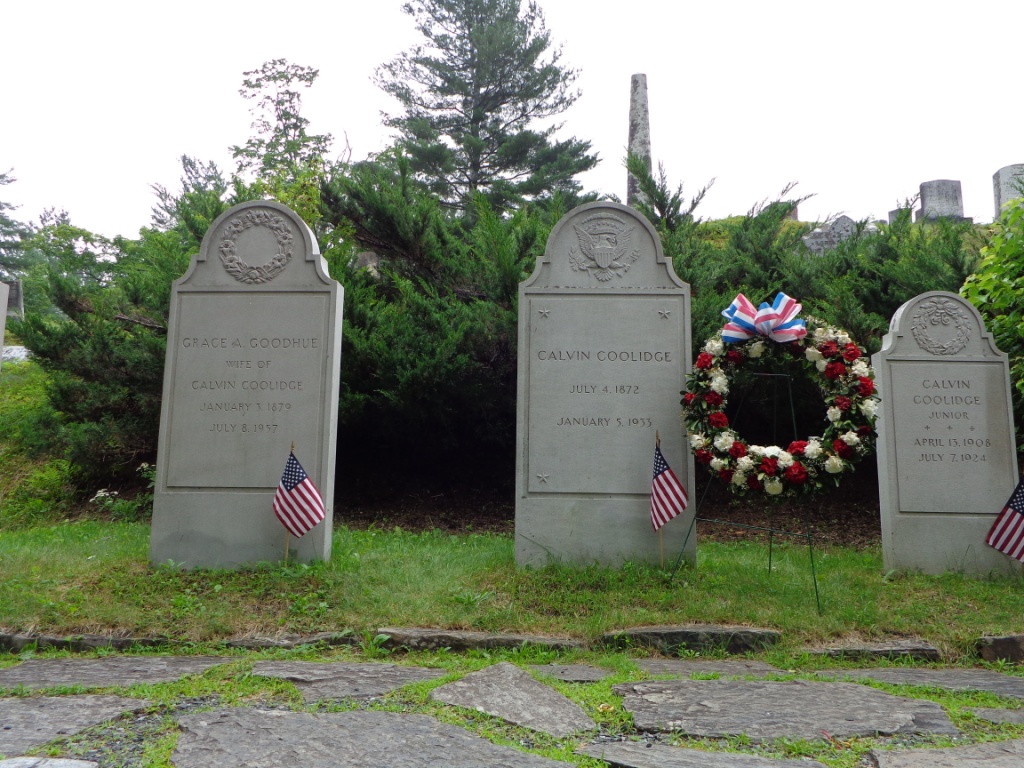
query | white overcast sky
[858, 102]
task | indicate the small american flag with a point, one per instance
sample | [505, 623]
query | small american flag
[668, 497]
[297, 502]
[1007, 534]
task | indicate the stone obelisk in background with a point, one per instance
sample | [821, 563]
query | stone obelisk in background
[639, 133]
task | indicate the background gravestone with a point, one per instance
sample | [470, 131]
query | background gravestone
[1008, 184]
[4, 292]
[947, 462]
[604, 348]
[253, 361]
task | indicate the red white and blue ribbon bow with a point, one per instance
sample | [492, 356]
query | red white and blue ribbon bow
[777, 321]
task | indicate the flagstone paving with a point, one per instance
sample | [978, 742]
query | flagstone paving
[909, 648]
[636, 755]
[106, 672]
[767, 710]
[506, 691]
[318, 681]
[720, 708]
[243, 738]
[27, 722]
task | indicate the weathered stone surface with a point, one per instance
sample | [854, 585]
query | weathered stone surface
[572, 673]
[1013, 716]
[1006, 185]
[105, 672]
[694, 637]
[940, 199]
[418, 639]
[327, 680]
[293, 641]
[947, 461]
[244, 738]
[604, 340]
[769, 710]
[952, 679]
[17, 642]
[883, 649]
[635, 755]
[1009, 648]
[506, 691]
[46, 762]
[723, 667]
[29, 722]
[1004, 754]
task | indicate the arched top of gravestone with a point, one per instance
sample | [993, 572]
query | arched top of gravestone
[259, 245]
[937, 326]
[603, 248]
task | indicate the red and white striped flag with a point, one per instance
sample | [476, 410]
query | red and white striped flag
[297, 502]
[668, 497]
[1007, 534]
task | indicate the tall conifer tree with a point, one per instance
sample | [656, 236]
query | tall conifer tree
[478, 97]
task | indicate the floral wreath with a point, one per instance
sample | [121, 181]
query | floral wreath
[838, 366]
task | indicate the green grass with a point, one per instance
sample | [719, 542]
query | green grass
[94, 577]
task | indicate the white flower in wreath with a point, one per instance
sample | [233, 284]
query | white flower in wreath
[719, 464]
[834, 465]
[756, 450]
[861, 367]
[738, 478]
[724, 441]
[698, 439]
[772, 450]
[813, 449]
[850, 438]
[773, 486]
[714, 347]
[834, 414]
[812, 354]
[821, 365]
[744, 463]
[843, 338]
[720, 383]
[785, 459]
[869, 408]
[821, 334]
[756, 349]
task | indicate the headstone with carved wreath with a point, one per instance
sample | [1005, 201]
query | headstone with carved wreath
[604, 348]
[253, 362]
[947, 460]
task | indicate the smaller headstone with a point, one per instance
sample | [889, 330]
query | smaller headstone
[4, 294]
[947, 461]
[1008, 184]
[1003, 754]
[639, 133]
[16, 299]
[506, 691]
[941, 199]
[828, 236]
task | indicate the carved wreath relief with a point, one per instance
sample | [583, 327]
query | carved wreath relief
[940, 326]
[605, 247]
[245, 273]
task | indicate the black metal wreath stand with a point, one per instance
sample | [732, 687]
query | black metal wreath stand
[774, 377]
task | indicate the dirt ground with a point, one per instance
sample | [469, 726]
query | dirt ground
[847, 515]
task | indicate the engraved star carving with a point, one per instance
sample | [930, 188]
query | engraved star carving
[950, 427]
[543, 478]
[927, 427]
[664, 313]
[544, 312]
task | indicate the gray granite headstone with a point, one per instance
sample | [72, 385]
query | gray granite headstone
[1008, 184]
[506, 691]
[107, 672]
[253, 361]
[1004, 754]
[773, 710]
[29, 722]
[328, 680]
[947, 462]
[830, 235]
[634, 755]
[243, 738]
[4, 293]
[604, 342]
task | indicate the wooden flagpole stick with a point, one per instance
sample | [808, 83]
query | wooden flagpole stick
[287, 533]
[661, 535]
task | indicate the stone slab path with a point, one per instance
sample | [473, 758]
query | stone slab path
[718, 708]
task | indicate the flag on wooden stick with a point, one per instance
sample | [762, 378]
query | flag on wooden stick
[668, 497]
[297, 502]
[1007, 533]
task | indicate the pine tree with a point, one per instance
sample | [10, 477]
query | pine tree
[473, 95]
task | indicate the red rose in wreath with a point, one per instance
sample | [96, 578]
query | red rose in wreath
[835, 370]
[704, 361]
[796, 473]
[718, 420]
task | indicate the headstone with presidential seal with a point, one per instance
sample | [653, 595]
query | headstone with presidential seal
[253, 363]
[604, 347]
[947, 460]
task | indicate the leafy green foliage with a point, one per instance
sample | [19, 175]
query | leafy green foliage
[996, 288]
[472, 94]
